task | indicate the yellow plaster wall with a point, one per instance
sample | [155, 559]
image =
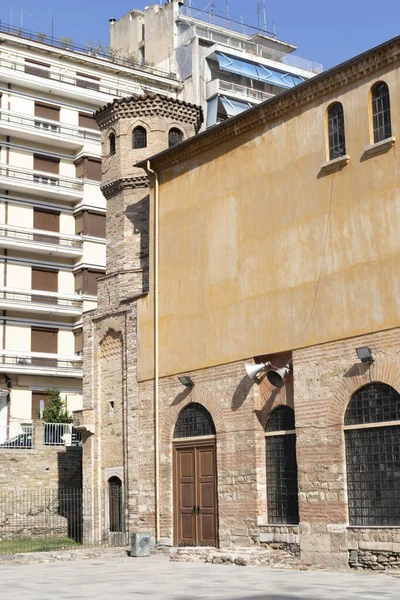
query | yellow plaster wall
[260, 252]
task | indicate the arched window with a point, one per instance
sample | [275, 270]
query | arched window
[175, 136]
[111, 142]
[381, 112]
[337, 141]
[194, 420]
[281, 465]
[139, 138]
[115, 504]
[373, 456]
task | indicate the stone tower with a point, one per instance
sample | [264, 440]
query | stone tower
[132, 130]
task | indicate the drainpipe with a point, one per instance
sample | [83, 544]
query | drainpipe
[156, 376]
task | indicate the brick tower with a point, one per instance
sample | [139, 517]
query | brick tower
[132, 130]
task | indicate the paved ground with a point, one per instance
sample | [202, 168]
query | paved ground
[156, 578]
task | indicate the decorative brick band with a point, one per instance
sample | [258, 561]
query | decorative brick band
[125, 183]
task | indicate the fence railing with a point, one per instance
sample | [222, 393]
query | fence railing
[61, 434]
[222, 21]
[14, 436]
[47, 126]
[29, 175]
[56, 519]
[38, 361]
[17, 296]
[38, 236]
[242, 90]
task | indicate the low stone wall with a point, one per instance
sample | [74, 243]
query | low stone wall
[277, 537]
[374, 548]
[375, 560]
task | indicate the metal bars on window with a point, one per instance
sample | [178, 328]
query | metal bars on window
[373, 403]
[175, 136]
[381, 112]
[337, 142]
[139, 138]
[194, 420]
[281, 467]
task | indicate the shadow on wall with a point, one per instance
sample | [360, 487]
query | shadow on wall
[181, 396]
[138, 215]
[70, 492]
[241, 392]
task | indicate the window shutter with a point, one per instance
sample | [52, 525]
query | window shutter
[46, 163]
[79, 220]
[88, 121]
[45, 280]
[96, 225]
[36, 398]
[89, 82]
[44, 340]
[93, 169]
[46, 219]
[45, 111]
[78, 341]
[79, 281]
[34, 67]
[90, 282]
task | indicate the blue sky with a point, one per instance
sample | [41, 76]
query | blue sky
[326, 32]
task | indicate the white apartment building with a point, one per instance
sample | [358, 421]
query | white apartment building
[225, 66]
[52, 212]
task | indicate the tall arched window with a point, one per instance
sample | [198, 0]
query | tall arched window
[373, 456]
[175, 136]
[115, 504]
[111, 142]
[139, 138]
[337, 141]
[281, 465]
[381, 112]
[194, 420]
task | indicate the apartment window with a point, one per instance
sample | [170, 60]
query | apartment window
[86, 281]
[78, 338]
[45, 113]
[48, 164]
[38, 399]
[337, 142]
[381, 112]
[175, 136]
[373, 456]
[87, 121]
[89, 82]
[111, 143]
[34, 67]
[281, 467]
[44, 340]
[46, 220]
[90, 223]
[139, 138]
[88, 168]
[44, 280]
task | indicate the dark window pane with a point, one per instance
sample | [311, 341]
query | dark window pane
[337, 143]
[281, 419]
[374, 403]
[175, 136]
[381, 113]
[373, 476]
[194, 420]
[139, 138]
[112, 143]
[282, 500]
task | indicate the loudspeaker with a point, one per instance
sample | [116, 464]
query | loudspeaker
[277, 378]
[253, 370]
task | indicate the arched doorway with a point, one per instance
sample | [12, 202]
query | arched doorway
[115, 512]
[195, 478]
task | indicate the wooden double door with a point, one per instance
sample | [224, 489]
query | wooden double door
[195, 497]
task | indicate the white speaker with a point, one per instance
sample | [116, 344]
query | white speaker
[277, 378]
[253, 370]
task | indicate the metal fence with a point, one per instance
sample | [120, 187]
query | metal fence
[14, 436]
[19, 436]
[61, 434]
[45, 520]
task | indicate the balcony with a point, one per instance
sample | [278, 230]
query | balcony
[233, 90]
[47, 185]
[17, 435]
[35, 301]
[33, 128]
[40, 242]
[40, 363]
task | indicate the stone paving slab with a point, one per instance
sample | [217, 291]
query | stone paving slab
[158, 578]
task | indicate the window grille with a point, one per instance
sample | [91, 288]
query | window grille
[175, 136]
[139, 138]
[111, 140]
[337, 142]
[373, 457]
[194, 420]
[381, 112]
[281, 468]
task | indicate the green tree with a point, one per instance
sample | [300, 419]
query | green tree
[56, 409]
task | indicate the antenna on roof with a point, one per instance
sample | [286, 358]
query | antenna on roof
[241, 20]
[213, 6]
[24, 12]
[264, 15]
[226, 12]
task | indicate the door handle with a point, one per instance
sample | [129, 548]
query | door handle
[198, 510]
[194, 510]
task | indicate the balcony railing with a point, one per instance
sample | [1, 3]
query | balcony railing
[61, 434]
[38, 236]
[54, 128]
[18, 296]
[69, 184]
[242, 90]
[14, 436]
[39, 362]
